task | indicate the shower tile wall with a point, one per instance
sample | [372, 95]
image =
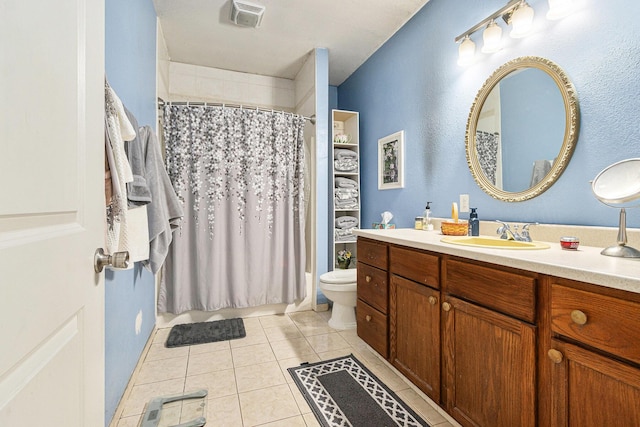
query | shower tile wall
[196, 83]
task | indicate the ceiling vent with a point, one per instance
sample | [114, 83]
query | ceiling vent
[246, 14]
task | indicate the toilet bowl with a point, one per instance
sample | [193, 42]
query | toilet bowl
[340, 287]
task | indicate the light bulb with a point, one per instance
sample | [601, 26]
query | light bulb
[466, 51]
[559, 8]
[522, 20]
[492, 38]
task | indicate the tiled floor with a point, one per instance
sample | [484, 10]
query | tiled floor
[247, 380]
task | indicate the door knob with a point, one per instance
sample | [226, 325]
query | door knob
[102, 260]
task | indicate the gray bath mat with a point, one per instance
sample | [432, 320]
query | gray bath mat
[342, 392]
[205, 332]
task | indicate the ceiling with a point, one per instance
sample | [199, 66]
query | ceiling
[200, 32]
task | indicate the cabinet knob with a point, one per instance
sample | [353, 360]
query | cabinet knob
[446, 306]
[578, 317]
[367, 279]
[555, 355]
[433, 300]
[367, 318]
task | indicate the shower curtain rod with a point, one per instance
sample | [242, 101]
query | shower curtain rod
[162, 103]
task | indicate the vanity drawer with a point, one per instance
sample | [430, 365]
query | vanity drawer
[418, 266]
[508, 292]
[372, 253]
[606, 323]
[373, 287]
[373, 327]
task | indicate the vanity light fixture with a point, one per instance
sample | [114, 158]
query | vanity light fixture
[492, 38]
[559, 9]
[517, 13]
[466, 51]
[521, 21]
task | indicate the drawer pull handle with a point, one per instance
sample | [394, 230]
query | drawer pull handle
[578, 317]
[367, 279]
[433, 300]
[555, 355]
[446, 306]
[368, 318]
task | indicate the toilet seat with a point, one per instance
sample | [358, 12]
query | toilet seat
[340, 276]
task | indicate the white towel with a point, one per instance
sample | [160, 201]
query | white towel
[342, 182]
[344, 153]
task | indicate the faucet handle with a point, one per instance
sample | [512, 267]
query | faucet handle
[525, 231]
[504, 230]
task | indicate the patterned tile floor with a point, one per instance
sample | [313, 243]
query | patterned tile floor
[247, 379]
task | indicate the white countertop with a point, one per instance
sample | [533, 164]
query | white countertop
[585, 264]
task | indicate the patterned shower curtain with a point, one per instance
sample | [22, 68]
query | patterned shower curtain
[487, 146]
[239, 174]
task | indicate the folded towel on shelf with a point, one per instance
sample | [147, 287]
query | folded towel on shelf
[345, 193]
[342, 182]
[347, 221]
[346, 203]
[346, 164]
[344, 235]
[344, 153]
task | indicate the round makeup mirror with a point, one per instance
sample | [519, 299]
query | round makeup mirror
[618, 186]
[522, 129]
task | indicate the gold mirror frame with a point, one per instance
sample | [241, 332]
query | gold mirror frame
[571, 109]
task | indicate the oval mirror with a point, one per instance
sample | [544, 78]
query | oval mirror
[522, 129]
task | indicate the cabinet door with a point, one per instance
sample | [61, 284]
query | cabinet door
[489, 372]
[415, 333]
[590, 390]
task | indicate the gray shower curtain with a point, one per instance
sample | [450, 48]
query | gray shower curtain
[239, 174]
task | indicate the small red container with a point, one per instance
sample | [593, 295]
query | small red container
[569, 242]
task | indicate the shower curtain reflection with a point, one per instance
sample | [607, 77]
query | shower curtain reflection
[240, 175]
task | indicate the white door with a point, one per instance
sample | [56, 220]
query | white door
[51, 212]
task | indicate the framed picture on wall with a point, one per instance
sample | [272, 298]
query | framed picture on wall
[391, 161]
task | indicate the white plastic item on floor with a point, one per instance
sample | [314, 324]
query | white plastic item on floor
[340, 286]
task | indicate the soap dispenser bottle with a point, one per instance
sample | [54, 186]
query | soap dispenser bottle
[474, 223]
[426, 224]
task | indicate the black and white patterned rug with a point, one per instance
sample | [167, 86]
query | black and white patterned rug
[343, 392]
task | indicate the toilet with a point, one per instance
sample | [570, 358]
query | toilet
[340, 287]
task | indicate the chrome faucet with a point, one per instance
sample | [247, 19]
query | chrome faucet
[505, 232]
[526, 237]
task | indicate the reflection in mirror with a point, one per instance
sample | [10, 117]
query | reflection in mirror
[522, 129]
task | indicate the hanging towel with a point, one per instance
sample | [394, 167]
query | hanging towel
[540, 169]
[165, 211]
[138, 193]
[342, 182]
[347, 221]
[119, 130]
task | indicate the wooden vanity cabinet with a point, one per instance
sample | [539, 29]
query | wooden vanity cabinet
[414, 317]
[594, 356]
[489, 345]
[372, 306]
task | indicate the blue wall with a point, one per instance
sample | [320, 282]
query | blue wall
[130, 62]
[414, 83]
